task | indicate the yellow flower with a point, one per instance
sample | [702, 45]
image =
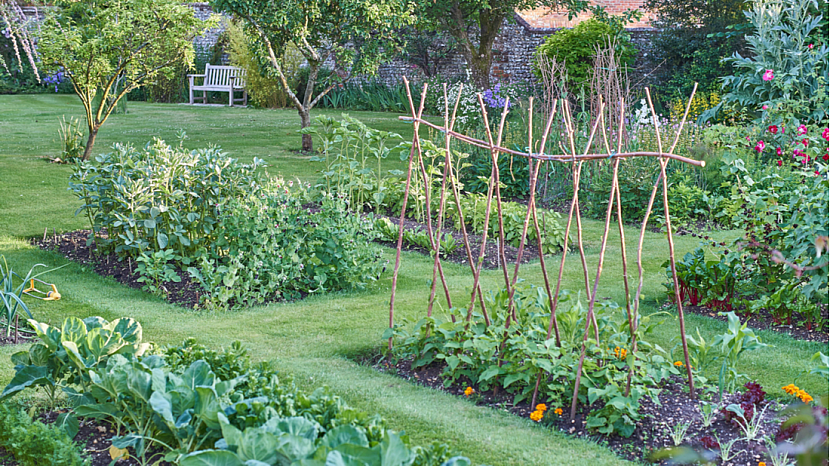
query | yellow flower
[558, 411]
[536, 416]
[541, 407]
[469, 391]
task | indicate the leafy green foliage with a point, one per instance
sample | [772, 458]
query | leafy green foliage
[350, 151]
[726, 348]
[389, 232]
[356, 35]
[693, 36]
[512, 357]
[108, 49]
[63, 356]
[155, 269]
[11, 295]
[169, 209]
[160, 197]
[577, 48]
[33, 443]
[273, 247]
[783, 212]
[702, 282]
[188, 399]
[785, 71]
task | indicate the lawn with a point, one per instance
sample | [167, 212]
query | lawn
[315, 340]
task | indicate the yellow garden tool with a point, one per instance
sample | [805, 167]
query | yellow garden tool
[51, 295]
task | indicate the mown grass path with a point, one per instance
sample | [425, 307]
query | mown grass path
[314, 340]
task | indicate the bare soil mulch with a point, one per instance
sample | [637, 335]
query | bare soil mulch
[764, 320]
[73, 246]
[22, 339]
[186, 293]
[653, 431]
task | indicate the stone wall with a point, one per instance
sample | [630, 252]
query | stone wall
[206, 41]
[512, 52]
[513, 55]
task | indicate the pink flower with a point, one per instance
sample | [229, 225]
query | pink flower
[804, 141]
[760, 146]
[780, 163]
[826, 134]
[810, 46]
[768, 75]
[773, 129]
[764, 107]
[778, 152]
[802, 130]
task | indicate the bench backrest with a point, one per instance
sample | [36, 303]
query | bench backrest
[220, 76]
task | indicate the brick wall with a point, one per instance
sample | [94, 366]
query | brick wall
[545, 18]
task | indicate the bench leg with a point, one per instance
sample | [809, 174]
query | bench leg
[245, 97]
[191, 95]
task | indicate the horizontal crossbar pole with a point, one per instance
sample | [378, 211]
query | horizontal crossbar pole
[556, 158]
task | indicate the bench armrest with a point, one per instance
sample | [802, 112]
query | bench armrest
[196, 76]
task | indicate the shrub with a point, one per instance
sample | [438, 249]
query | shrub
[263, 88]
[33, 443]
[693, 36]
[577, 48]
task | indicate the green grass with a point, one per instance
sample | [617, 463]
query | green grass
[314, 340]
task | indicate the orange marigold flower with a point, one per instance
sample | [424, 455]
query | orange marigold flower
[678, 364]
[469, 391]
[761, 463]
[541, 407]
[790, 389]
[805, 397]
[558, 411]
[536, 416]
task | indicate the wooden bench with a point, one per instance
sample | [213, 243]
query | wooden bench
[228, 79]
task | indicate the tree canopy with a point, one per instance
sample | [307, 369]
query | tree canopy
[475, 24]
[108, 48]
[352, 37]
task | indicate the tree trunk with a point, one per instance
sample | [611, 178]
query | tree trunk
[480, 70]
[89, 143]
[305, 122]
